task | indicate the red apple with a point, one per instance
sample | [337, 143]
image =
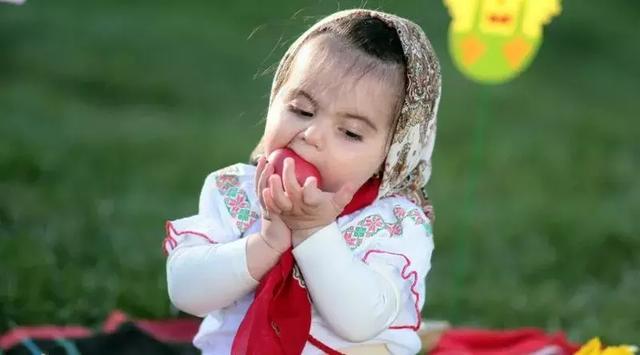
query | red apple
[303, 168]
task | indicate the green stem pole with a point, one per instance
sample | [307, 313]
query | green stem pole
[462, 256]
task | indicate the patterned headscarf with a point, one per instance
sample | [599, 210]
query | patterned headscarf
[408, 163]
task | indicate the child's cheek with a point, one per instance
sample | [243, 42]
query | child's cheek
[277, 135]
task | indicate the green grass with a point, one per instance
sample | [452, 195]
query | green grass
[112, 113]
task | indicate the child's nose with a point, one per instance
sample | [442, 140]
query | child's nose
[313, 135]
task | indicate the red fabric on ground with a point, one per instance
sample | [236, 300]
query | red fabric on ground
[453, 342]
[168, 330]
[502, 342]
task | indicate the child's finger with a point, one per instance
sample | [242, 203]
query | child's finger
[264, 176]
[277, 192]
[268, 200]
[291, 185]
[269, 169]
[343, 196]
[289, 181]
[261, 163]
[311, 195]
[262, 181]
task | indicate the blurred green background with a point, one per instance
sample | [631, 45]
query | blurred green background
[113, 112]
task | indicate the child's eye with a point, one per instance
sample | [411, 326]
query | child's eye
[300, 112]
[351, 135]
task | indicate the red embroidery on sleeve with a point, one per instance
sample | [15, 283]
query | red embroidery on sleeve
[171, 231]
[405, 274]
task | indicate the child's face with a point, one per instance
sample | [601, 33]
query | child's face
[335, 119]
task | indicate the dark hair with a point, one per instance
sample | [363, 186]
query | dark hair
[371, 35]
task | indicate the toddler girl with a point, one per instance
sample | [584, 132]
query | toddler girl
[334, 264]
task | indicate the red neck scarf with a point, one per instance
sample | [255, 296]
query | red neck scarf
[279, 319]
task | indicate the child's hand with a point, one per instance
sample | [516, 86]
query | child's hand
[274, 231]
[305, 209]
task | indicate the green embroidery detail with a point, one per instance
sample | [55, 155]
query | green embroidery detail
[243, 214]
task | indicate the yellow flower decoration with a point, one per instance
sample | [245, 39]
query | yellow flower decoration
[594, 347]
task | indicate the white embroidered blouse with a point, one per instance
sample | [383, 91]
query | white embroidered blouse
[207, 272]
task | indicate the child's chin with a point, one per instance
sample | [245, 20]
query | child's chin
[330, 186]
[327, 187]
